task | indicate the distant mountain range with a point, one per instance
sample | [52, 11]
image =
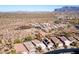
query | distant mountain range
[67, 9]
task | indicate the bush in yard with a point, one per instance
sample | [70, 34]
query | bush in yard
[39, 49]
[17, 41]
[56, 45]
[28, 38]
[0, 41]
[13, 51]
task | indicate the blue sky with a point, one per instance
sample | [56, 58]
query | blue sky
[13, 8]
[9, 8]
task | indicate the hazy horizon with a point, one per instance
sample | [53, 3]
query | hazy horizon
[30, 8]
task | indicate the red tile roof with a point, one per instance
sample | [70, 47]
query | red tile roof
[20, 48]
[72, 39]
[63, 38]
[56, 40]
[29, 46]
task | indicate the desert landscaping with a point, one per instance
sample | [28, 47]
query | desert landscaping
[38, 32]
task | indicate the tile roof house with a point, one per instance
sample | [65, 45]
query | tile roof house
[56, 40]
[76, 37]
[65, 40]
[48, 43]
[72, 39]
[39, 44]
[20, 48]
[30, 47]
[58, 25]
[55, 26]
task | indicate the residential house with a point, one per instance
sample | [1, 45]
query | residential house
[65, 41]
[20, 48]
[72, 39]
[57, 41]
[30, 47]
[38, 43]
[48, 44]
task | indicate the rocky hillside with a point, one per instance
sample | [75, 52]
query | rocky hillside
[67, 9]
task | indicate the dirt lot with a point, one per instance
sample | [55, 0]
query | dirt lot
[11, 21]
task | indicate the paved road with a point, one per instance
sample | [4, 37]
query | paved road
[72, 50]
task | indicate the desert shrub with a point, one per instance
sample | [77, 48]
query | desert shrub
[68, 26]
[28, 38]
[23, 27]
[39, 49]
[57, 22]
[75, 21]
[77, 45]
[73, 44]
[56, 45]
[38, 36]
[48, 36]
[17, 41]
[66, 34]
[13, 51]
[0, 41]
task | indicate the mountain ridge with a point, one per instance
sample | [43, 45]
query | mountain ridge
[67, 9]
